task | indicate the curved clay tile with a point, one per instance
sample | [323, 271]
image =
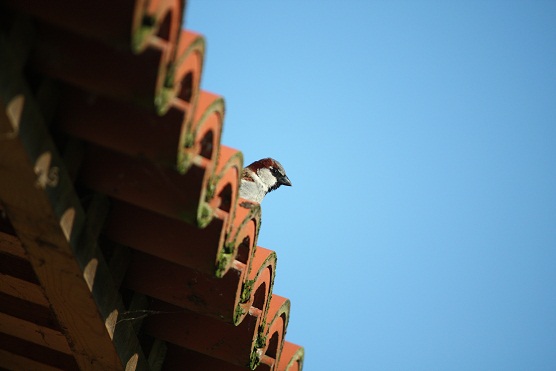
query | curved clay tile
[97, 67]
[185, 71]
[203, 334]
[183, 287]
[224, 185]
[242, 239]
[100, 20]
[277, 322]
[167, 238]
[146, 184]
[177, 357]
[291, 358]
[130, 25]
[257, 290]
[125, 129]
[230, 298]
[121, 126]
[162, 18]
[223, 195]
[201, 140]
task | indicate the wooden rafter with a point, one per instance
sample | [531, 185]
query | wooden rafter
[38, 197]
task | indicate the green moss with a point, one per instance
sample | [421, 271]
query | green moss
[204, 216]
[238, 313]
[143, 32]
[224, 259]
[189, 140]
[255, 360]
[260, 342]
[246, 291]
[221, 265]
[162, 100]
[211, 190]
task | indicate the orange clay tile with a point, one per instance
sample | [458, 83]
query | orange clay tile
[165, 139]
[201, 139]
[183, 287]
[242, 238]
[121, 74]
[166, 16]
[229, 298]
[245, 233]
[277, 322]
[258, 288]
[149, 185]
[224, 185]
[118, 26]
[121, 126]
[130, 25]
[291, 358]
[171, 239]
[185, 71]
[177, 357]
[233, 344]
[167, 238]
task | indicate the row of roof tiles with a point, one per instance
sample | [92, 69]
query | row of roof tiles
[132, 124]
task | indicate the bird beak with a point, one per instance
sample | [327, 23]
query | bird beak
[285, 181]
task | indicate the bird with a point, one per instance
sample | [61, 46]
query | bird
[261, 177]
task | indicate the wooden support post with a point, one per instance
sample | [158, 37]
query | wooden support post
[38, 197]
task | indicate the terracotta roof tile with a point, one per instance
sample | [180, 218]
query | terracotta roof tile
[166, 238]
[123, 241]
[291, 358]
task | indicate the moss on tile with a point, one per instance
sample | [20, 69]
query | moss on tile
[255, 359]
[222, 264]
[238, 313]
[204, 216]
[142, 33]
[246, 291]
[162, 100]
[223, 260]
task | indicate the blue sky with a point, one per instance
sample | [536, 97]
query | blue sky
[420, 138]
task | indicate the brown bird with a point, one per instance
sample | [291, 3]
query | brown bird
[262, 177]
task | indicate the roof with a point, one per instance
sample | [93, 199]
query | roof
[123, 242]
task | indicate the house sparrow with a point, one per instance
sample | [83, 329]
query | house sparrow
[261, 177]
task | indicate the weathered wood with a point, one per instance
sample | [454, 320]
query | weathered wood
[33, 333]
[11, 245]
[38, 197]
[14, 266]
[16, 362]
[24, 290]
[28, 311]
[38, 353]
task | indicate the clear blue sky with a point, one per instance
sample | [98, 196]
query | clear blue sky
[420, 137]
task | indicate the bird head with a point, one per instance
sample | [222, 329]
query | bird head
[261, 177]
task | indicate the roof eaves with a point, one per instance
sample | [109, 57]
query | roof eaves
[157, 190]
[48, 218]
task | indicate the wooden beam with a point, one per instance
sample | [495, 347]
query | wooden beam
[39, 199]
[33, 333]
[35, 352]
[22, 289]
[16, 362]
